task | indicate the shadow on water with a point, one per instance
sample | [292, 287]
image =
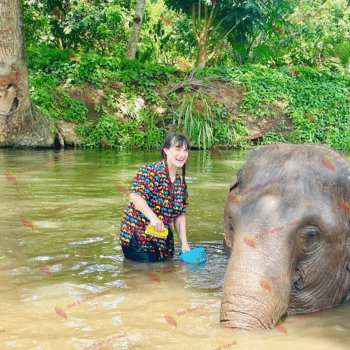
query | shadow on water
[64, 281]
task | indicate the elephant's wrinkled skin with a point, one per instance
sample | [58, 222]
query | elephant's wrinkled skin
[287, 221]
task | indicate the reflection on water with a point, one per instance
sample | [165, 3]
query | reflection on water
[65, 283]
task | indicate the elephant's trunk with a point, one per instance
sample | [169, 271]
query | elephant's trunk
[251, 298]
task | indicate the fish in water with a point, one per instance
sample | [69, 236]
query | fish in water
[11, 178]
[122, 189]
[216, 152]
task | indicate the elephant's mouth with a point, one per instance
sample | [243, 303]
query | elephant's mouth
[239, 319]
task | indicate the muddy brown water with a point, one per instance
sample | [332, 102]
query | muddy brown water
[64, 283]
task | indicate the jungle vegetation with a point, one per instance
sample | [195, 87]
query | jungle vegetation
[291, 58]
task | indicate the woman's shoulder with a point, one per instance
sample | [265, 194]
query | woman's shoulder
[152, 169]
[156, 166]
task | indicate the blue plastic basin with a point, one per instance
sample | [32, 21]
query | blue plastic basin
[194, 256]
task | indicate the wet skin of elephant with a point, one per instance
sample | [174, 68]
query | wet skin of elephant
[287, 222]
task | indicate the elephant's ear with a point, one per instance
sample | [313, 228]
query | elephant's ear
[235, 185]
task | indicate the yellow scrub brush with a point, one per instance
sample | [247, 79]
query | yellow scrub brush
[150, 231]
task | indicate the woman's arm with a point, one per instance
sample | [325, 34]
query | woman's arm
[141, 204]
[180, 227]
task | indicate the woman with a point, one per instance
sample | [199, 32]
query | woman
[157, 197]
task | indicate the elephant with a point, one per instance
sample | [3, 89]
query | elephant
[287, 226]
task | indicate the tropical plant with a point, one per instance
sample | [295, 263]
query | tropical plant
[198, 124]
[215, 22]
[315, 30]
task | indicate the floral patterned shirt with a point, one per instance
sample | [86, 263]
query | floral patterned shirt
[152, 184]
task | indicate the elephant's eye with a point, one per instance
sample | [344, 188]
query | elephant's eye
[231, 226]
[311, 233]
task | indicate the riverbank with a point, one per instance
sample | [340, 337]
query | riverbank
[126, 105]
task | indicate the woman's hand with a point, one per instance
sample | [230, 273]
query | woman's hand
[141, 204]
[185, 247]
[157, 224]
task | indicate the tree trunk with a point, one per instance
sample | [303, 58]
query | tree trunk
[135, 34]
[17, 124]
[14, 87]
[203, 32]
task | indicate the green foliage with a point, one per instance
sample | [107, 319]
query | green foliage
[225, 73]
[264, 34]
[41, 90]
[205, 124]
[82, 44]
[318, 102]
[252, 20]
[79, 25]
[74, 111]
[106, 128]
[343, 52]
[258, 20]
[44, 58]
[52, 101]
[57, 69]
[316, 28]
[273, 137]
[196, 124]
[145, 133]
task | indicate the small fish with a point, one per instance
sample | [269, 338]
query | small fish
[155, 276]
[170, 320]
[249, 241]
[182, 63]
[328, 163]
[60, 312]
[88, 100]
[216, 152]
[233, 198]
[168, 21]
[266, 284]
[105, 144]
[282, 328]
[28, 223]
[344, 206]
[46, 269]
[11, 178]
[122, 188]
[199, 107]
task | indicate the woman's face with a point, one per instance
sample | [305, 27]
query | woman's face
[176, 156]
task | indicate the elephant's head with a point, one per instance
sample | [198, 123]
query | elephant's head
[287, 221]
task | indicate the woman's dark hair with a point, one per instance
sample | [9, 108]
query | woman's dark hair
[178, 140]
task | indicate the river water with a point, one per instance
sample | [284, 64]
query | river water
[64, 283]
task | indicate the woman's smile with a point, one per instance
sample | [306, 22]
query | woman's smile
[176, 156]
